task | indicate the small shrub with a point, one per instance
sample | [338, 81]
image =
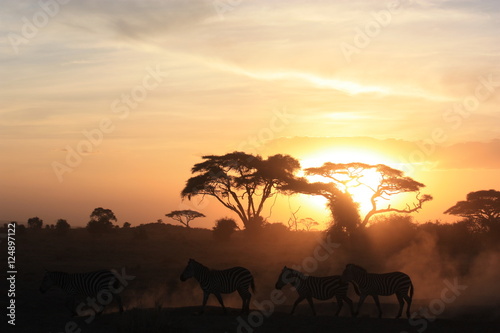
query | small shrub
[224, 228]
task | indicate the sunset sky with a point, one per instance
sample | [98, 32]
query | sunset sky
[110, 103]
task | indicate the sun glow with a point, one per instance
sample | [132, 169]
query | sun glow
[361, 191]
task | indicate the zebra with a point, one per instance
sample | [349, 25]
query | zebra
[219, 282]
[309, 287]
[380, 284]
[98, 284]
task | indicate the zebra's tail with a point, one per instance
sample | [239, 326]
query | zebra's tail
[411, 290]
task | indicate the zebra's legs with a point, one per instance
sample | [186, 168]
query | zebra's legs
[300, 299]
[340, 303]
[401, 304]
[70, 304]
[205, 298]
[310, 301]
[119, 300]
[245, 297]
[219, 298]
[375, 298]
[348, 301]
[351, 305]
[360, 303]
[408, 301]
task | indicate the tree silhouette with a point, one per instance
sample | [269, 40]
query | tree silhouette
[308, 223]
[224, 228]
[481, 207]
[35, 223]
[241, 182]
[391, 182]
[62, 226]
[184, 216]
[344, 211]
[126, 225]
[101, 221]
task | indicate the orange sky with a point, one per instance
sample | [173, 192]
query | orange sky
[110, 103]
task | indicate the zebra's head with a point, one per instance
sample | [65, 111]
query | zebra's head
[351, 272]
[189, 270]
[287, 275]
[47, 282]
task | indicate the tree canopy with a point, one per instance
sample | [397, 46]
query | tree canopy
[482, 207]
[344, 210]
[241, 182]
[62, 226]
[184, 216]
[390, 183]
[35, 223]
[101, 221]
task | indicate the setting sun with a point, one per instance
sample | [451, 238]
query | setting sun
[361, 190]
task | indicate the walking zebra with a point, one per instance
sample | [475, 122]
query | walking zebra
[380, 284]
[309, 287]
[221, 282]
[98, 284]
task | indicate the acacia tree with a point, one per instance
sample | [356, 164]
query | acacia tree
[241, 182]
[344, 211]
[308, 223]
[62, 226]
[184, 216]
[101, 221]
[391, 182]
[481, 207]
[35, 223]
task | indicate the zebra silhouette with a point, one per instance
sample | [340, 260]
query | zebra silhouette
[309, 287]
[219, 282]
[380, 284]
[99, 284]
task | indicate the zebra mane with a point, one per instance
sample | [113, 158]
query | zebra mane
[357, 267]
[295, 272]
[192, 261]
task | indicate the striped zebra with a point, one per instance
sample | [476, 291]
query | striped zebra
[98, 284]
[309, 287]
[221, 282]
[380, 284]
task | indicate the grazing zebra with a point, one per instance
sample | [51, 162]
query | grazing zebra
[380, 284]
[98, 284]
[310, 287]
[221, 282]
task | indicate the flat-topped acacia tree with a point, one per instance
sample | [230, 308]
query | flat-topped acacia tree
[241, 182]
[480, 207]
[184, 216]
[390, 182]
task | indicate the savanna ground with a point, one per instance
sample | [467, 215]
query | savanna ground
[455, 273]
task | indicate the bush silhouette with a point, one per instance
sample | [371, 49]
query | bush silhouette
[224, 228]
[62, 227]
[101, 221]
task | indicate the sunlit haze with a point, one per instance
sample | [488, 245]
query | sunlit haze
[111, 103]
